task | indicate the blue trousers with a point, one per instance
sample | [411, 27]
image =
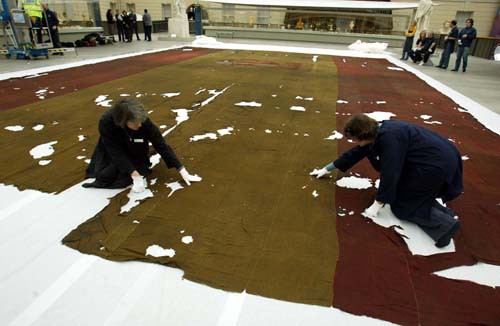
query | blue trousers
[445, 56]
[462, 52]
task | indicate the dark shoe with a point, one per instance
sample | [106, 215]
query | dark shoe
[91, 185]
[446, 238]
[439, 67]
[454, 70]
[463, 70]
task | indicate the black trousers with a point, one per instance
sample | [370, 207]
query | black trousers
[54, 34]
[121, 32]
[107, 174]
[420, 55]
[134, 29]
[147, 32]
[416, 202]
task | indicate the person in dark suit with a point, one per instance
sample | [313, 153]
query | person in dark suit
[120, 26]
[127, 26]
[133, 25]
[53, 25]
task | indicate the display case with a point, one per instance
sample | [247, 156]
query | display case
[376, 22]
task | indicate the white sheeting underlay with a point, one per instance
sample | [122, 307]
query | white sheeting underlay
[37, 71]
[332, 4]
[418, 242]
[42, 280]
[480, 273]
[46, 283]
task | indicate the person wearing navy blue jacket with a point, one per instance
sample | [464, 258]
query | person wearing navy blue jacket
[53, 24]
[465, 38]
[416, 167]
[121, 156]
[449, 45]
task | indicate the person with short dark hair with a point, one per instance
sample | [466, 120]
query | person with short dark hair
[416, 167]
[465, 38]
[449, 45]
[127, 26]
[53, 25]
[148, 25]
[120, 26]
[121, 156]
[133, 25]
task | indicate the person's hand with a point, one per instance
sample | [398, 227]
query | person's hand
[373, 210]
[430, 50]
[138, 183]
[464, 36]
[188, 178]
[319, 173]
[446, 37]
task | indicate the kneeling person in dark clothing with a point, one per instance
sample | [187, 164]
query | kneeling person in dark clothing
[416, 167]
[121, 156]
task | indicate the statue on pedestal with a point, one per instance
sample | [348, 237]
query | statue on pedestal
[178, 25]
[180, 8]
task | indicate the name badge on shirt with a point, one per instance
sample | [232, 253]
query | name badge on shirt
[138, 140]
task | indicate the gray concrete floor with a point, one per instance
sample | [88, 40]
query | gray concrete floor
[84, 54]
[481, 82]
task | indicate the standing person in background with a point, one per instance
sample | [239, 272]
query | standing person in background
[465, 38]
[34, 10]
[120, 26]
[111, 22]
[133, 25]
[148, 25]
[127, 26]
[449, 45]
[410, 33]
[53, 24]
